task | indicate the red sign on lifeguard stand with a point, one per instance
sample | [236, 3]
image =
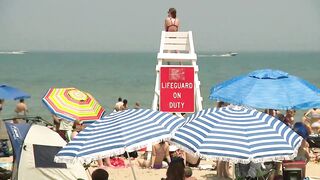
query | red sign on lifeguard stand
[177, 89]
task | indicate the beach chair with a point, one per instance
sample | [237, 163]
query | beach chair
[177, 46]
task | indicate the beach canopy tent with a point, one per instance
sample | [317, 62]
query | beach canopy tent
[268, 89]
[118, 132]
[73, 104]
[34, 149]
[11, 93]
[237, 134]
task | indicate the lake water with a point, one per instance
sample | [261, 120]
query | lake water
[132, 75]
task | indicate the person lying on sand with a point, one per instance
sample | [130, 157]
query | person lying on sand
[190, 160]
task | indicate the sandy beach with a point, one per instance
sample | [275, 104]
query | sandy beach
[312, 172]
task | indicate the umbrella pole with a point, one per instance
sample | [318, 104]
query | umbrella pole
[134, 174]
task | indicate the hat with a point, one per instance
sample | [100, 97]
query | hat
[173, 148]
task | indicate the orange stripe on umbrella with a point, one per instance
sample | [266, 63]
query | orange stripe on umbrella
[73, 104]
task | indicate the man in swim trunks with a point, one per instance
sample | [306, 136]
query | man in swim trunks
[21, 110]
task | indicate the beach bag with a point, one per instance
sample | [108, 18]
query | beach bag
[133, 154]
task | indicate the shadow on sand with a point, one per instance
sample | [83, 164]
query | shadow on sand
[213, 177]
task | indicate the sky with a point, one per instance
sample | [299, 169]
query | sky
[116, 26]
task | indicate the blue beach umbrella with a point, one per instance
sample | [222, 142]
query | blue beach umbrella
[119, 132]
[237, 134]
[11, 93]
[268, 89]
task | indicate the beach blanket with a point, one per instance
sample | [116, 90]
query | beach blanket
[117, 162]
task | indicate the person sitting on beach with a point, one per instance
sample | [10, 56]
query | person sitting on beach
[313, 115]
[289, 117]
[63, 127]
[160, 152]
[303, 154]
[223, 168]
[281, 117]
[21, 110]
[190, 160]
[56, 122]
[175, 170]
[124, 105]
[118, 105]
[100, 174]
[188, 173]
[76, 128]
[271, 112]
[1, 104]
[313, 119]
[105, 162]
[137, 105]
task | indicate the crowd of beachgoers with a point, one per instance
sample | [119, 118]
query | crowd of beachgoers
[179, 164]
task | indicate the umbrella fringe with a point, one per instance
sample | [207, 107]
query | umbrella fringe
[116, 152]
[87, 159]
[242, 161]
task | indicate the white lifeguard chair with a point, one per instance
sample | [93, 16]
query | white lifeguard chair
[177, 49]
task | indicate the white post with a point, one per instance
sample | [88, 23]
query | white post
[157, 88]
[131, 165]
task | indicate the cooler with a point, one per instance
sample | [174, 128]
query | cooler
[293, 170]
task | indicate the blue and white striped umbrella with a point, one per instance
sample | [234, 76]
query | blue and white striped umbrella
[119, 132]
[237, 134]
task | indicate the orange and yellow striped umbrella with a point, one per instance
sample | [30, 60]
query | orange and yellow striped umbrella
[73, 104]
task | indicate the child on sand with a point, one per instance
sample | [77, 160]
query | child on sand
[188, 174]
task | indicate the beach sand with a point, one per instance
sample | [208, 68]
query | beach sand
[313, 168]
[313, 171]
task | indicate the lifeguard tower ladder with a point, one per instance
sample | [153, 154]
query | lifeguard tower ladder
[177, 49]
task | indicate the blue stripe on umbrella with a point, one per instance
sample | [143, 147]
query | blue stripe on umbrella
[117, 132]
[237, 134]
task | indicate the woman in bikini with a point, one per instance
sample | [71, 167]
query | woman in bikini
[313, 119]
[171, 23]
[160, 153]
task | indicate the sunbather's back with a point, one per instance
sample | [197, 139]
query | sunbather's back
[160, 152]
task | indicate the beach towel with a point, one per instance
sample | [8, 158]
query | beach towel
[117, 162]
